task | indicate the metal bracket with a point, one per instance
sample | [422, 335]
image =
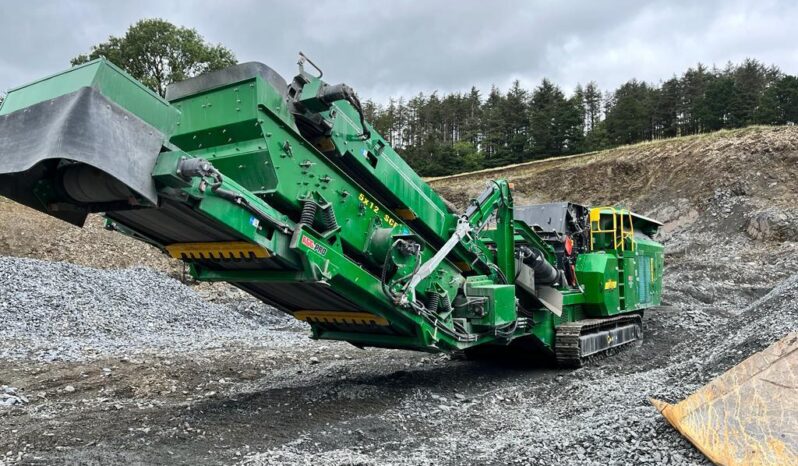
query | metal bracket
[462, 230]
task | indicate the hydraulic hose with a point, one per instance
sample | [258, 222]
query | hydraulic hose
[545, 273]
[329, 94]
[201, 168]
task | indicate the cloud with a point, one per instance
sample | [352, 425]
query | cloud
[400, 48]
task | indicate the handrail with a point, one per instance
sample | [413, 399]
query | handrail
[595, 216]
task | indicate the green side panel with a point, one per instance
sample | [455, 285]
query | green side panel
[110, 80]
[545, 328]
[628, 285]
[218, 117]
[598, 273]
[396, 183]
[224, 126]
[650, 257]
[51, 87]
[136, 98]
[241, 128]
[500, 306]
[228, 113]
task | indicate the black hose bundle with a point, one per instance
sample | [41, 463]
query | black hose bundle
[545, 273]
[417, 306]
[329, 94]
[198, 167]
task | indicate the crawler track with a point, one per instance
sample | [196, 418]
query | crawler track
[577, 341]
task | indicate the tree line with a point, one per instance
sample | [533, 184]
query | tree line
[158, 53]
[451, 133]
[464, 131]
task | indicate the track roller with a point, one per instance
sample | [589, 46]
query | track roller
[577, 341]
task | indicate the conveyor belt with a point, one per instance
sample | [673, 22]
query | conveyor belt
[177, 223]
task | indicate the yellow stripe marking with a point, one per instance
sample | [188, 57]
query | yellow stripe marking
[341, 317]
[219, 250]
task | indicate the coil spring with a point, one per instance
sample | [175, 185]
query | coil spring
[328, 217]
[308, 212]
[446, 305]
[433, 299]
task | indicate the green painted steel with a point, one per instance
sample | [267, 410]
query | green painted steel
[352, 239]
[111, 81]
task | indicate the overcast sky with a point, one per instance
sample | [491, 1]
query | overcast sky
[402, 47]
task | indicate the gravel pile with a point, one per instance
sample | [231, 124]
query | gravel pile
[753, 329]
[10, 397]
[599, 414]
[59, 311]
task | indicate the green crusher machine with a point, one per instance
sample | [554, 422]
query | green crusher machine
[285, 191]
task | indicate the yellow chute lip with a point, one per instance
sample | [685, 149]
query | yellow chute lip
[341, 317]
[223, 250]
